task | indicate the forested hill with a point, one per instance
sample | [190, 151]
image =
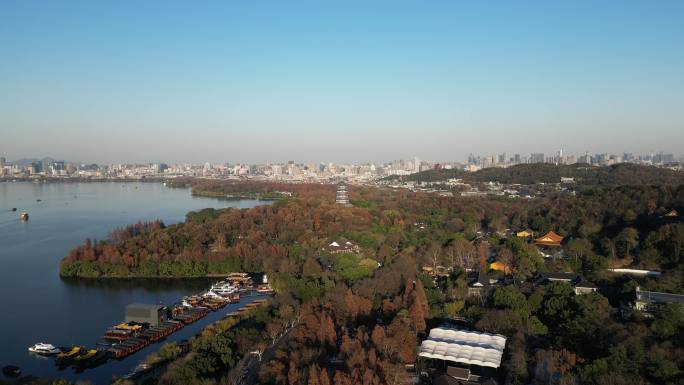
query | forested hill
[623, 174]
[357, 317]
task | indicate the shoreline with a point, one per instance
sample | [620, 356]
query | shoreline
[147, 278]
[44, 179]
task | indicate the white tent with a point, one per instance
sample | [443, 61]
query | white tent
[464, 346]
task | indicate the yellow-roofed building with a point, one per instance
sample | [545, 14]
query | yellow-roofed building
[525, 234]
[499, 266]
[550, 239]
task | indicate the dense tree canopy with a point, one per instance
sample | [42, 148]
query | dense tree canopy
[356, 318]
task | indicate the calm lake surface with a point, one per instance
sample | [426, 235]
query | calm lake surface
[39, 306]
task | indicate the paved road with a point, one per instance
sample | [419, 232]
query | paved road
[249, 374]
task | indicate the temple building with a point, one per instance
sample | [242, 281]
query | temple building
[579, 284]
[550, 239]
[651, 301]
[671, 214]
[336, 247]
[525, 234]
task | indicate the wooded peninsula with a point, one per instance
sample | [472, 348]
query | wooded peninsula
[357, 315]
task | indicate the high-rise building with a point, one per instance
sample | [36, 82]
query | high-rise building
[3, 161]
[502, 158]
[537, 157]
[416, 164]
[586, 158]
[601, 159]
[57, 167]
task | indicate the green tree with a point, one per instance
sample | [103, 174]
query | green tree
[453, 308]
[579, 248]
[169, 351]
[511, 298]
[626, 241]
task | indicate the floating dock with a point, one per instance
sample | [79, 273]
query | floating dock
[157, 323]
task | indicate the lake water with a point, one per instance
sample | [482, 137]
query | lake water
[39, 306]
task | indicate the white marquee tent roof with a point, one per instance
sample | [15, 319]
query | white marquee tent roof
[464, 346]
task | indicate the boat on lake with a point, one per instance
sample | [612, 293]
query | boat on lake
[44, 349]
[87, 354]
[139, 370]
[264, 290]
[240, 280]
[24, 216]
[66, 356]
[11, 370]
[223, 288]
[100, 357]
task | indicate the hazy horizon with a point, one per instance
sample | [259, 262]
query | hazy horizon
[338, 82]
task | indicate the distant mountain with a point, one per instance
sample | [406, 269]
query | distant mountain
[584, 174]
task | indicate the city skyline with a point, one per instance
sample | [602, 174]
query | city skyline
[470, 158]
[338, 82]
[323, 171]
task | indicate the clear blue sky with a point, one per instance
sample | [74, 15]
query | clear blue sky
[260, 81]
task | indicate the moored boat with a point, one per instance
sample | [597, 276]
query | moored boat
[69, 355]
[222, 288]
[265, 290]
[138, 370]
[95, 360]
[87, 354]
[11, 370]
[44, 349]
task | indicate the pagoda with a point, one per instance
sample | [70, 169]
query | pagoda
[342, 198]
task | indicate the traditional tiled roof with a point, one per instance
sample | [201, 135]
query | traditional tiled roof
[524, 233]
[583, 283]
[559, 276]
[549, 239]
[657, 297]
[575, 280]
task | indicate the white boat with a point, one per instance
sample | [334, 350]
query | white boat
[44, 349]
[185, 303]
[223, 289]
[265, 289]
[211, 294]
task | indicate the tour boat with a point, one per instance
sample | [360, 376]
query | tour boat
[86, 355]
[223, 289]
[265, 289]
[44, 349]
[68, 356]
[24, 216]
[211, 294]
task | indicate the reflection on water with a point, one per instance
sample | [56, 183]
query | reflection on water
[147, 284]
